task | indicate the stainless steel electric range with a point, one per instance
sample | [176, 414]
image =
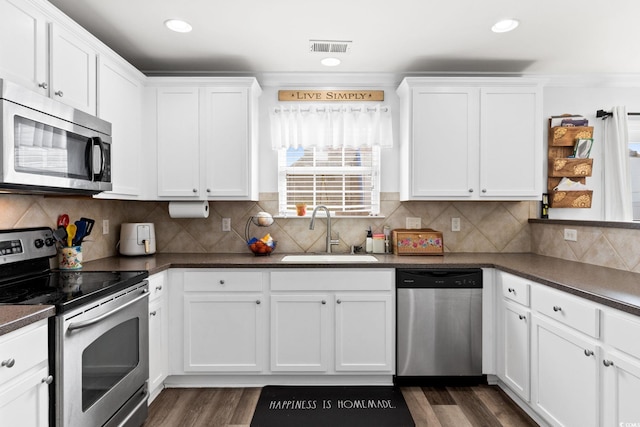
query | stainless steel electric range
[98, 339]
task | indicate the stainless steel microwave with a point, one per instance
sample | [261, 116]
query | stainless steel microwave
[48, 146]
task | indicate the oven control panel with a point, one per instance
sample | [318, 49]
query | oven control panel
[26, 244]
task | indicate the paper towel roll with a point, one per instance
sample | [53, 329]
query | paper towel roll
[189, 209]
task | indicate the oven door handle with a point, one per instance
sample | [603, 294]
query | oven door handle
[86, 323]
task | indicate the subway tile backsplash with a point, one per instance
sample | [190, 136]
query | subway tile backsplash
[485, 227]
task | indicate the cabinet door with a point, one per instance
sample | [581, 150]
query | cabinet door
[72, 70]
[26, 401]
[23, 52]
[564, 376]
[364, 332]
[443, 156]
[158, 345]
[227, 143]
[222, 333]
[300, 333]
[621, 390]
[178, 142]
[515, 349]
[120, 103]
[511, 142]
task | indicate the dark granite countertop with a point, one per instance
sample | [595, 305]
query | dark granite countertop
[13, 317]
[615, 288]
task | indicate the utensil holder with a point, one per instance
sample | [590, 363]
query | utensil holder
[70, 258]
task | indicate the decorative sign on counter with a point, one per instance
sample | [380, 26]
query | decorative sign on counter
[330, 95]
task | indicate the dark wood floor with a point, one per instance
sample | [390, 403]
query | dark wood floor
[430, 406]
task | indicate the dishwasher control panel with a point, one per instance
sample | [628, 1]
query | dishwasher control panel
[440, 278]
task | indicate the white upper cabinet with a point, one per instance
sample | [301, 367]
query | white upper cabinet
[120, 89]
[207, 133]
[470, 139]
[24, 59]
[73, 70]
[45, 55]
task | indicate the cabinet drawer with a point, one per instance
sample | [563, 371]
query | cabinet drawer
[332, 280]
[222, 281]
[622, 331]
[515, 288]
[567, 309]
[157, 285]
[24, 349]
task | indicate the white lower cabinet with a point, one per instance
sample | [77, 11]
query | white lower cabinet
[24, 376]
[223, 321]
[158, 334]
[337, 321]
[516, 339]
[565, 384]
[621, 389]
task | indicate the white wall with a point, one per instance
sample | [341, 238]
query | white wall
[580, 96]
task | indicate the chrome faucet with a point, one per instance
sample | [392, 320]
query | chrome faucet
[330, 241]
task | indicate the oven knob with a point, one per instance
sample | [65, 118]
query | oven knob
[39, 243]
[50, 241]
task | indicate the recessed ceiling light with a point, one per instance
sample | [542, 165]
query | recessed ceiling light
[505, 25]
[330, 62]
[178, 25]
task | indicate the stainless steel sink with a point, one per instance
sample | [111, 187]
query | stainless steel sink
[329, 258]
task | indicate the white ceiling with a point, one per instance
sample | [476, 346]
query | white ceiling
[389, 36]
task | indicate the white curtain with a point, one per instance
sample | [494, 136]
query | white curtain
[330, 126]
[617, 176]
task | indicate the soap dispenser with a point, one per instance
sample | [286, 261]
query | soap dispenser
[369, 242]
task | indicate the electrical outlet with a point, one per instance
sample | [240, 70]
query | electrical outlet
[455, 224]
[105, 226]
[226, 224]
[571, 234]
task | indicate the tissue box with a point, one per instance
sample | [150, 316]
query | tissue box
[424, 241]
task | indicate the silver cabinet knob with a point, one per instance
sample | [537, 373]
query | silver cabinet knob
[339, 301]
[324, 302]
[511, 290]
[8, 363]
[48, 380]
[588, 352]
[258, 302]
[158, 288]
[152, 313]
[208, 190]
[471, 190]
[484, 190]
[43, 85]
[521, 317]
[195, 190]
[59, 93]
[222, 282]
[607, 363]
[557, 308]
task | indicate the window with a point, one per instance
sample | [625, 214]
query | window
[634, 164]
[330, 155]
[345, 180]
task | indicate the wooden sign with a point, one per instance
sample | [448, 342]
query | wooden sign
[330, 95]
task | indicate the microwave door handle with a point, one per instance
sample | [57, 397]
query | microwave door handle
[97, 142]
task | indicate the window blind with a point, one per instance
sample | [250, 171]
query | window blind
[345, 180]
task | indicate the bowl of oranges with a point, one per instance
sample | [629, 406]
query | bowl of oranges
[262, 247]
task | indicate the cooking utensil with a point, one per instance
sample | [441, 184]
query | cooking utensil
[60, 234]
[81, 232]
[63, 220]
[71, 233]
[90, 223]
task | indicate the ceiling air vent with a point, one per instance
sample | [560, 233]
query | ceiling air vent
[329, 46]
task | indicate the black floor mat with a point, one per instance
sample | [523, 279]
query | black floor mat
[331, 406]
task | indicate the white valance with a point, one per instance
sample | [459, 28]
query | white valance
[331, 126]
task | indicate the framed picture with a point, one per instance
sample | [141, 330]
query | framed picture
[582, 149]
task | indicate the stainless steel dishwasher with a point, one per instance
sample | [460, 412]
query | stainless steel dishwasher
[439, 325]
